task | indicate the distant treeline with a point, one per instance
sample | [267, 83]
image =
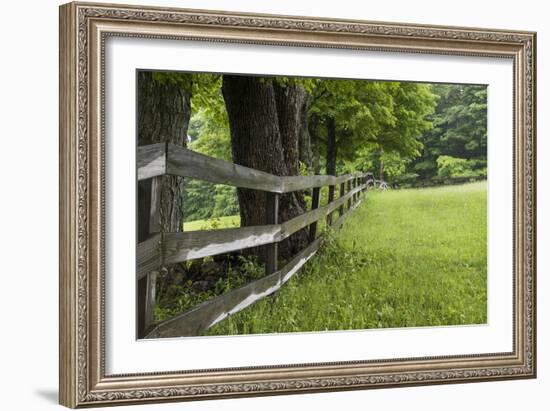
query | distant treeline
[456, 147]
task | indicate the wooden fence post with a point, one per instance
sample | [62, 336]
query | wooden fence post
[349, 189]
[148, 223]
[272, 217]
[342, 193]
[330, 200]
[314, 204]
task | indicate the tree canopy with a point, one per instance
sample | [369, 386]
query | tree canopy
[404, 132]
[388, 115]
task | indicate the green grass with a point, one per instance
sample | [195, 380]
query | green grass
[213, 223]
[404, 258]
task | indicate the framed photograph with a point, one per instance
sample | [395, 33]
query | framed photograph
[259, 204]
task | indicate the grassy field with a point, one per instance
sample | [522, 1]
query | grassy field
[213, 223]
[404, 258]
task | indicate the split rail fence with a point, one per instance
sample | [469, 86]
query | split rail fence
[157, 249]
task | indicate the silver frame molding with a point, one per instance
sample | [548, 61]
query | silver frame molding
[83, 30]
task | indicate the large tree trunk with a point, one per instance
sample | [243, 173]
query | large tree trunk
[331, 159]
[163, 115]
[257, 142]
[313, 132]
[255, 137]
[304, 142]
[290, 100]
[316, 157]
[331, 147]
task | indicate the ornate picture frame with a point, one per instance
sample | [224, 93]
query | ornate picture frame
[84, 30]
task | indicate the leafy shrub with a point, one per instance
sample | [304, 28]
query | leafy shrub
[198, 204]
[407, 178]
[179, 292]
[225, 201]
[425, 169]
[197, 201]
[394, 165]
[454, 167]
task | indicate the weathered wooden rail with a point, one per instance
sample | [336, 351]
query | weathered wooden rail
[157, 249]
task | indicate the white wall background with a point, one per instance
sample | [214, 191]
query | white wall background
[28, 210]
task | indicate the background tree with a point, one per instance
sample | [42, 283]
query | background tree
[365, 118]
[459, 130]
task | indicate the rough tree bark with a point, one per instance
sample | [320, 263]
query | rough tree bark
[289, 100]
[257, 142]
[163, 115]
[290, 105]
[331, 158]
[312, 129]
[304, 143]
[331, 146]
